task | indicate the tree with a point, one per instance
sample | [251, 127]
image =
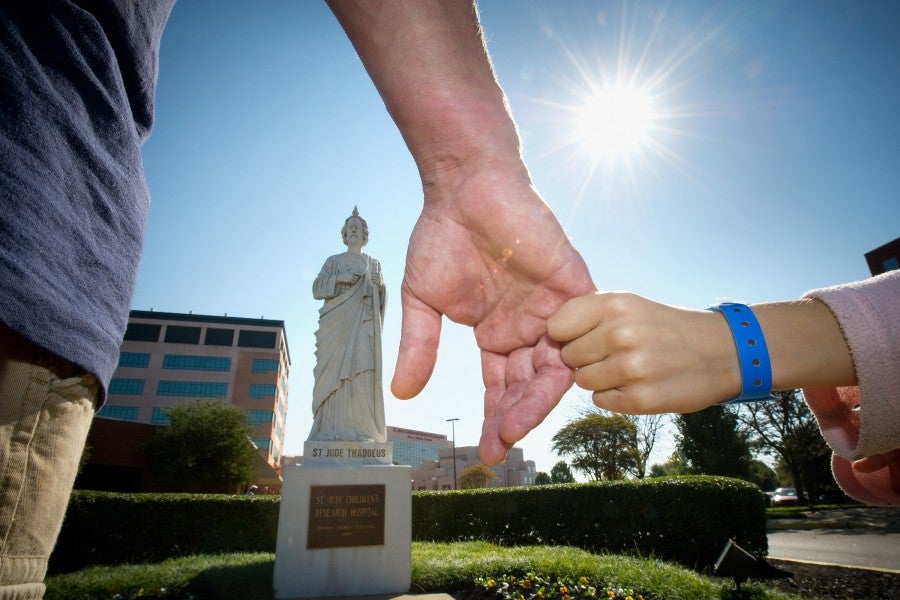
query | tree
[561, 473]
[542, 479]
[674, 466]
[648, 429]
[207, 443]
[786, 429]
[476, 476]
[603, 446]
[763, 475]
[711, 442]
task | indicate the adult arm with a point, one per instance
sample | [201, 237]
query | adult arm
[486, 251]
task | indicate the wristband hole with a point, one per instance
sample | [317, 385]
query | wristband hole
[757, 383]
[751, 342]
[755, 362]
[745, 324]
[736, 309]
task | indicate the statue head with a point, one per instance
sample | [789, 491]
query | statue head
[360, 222]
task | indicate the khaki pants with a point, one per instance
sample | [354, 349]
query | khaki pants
[46, 407]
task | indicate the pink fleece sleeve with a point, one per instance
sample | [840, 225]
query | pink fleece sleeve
[864, 420]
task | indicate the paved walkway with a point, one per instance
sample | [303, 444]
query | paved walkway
[862, 537]
[842, 518]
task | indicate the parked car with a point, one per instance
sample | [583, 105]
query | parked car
[784, 496]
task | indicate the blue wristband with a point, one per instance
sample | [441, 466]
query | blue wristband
[753, 354]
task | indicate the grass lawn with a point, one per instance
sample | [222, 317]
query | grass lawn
[450, 568]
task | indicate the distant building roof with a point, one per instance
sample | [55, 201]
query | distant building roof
[223, 320]
[196, 318]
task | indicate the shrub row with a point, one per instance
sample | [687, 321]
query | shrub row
[683, 519]
[104, 528]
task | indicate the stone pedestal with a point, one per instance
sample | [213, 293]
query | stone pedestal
[344, 530]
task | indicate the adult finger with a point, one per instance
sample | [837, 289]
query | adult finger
[531, 398]
[491, 448]
[420, 332]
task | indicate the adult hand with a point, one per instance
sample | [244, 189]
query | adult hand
[488, 252]
[643, 357]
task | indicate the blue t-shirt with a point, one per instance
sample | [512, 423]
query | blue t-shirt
[77, 82]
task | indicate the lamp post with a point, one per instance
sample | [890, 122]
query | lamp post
[453, 429]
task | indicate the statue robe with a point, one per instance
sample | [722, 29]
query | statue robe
[348, 402]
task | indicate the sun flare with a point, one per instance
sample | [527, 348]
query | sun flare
[614, 122]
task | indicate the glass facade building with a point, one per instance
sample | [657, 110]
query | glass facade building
[412, 447]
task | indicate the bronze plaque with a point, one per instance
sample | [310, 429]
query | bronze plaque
[342, 516]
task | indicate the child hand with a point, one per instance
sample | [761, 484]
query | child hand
[643, 357]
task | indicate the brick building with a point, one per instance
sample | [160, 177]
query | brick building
[172, 358]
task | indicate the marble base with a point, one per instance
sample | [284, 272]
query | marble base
[344, 531]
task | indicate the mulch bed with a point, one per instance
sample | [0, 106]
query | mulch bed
[836, 582]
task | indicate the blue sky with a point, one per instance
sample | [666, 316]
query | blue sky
[767, 164]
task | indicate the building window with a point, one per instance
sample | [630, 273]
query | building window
[134, 359]
[408, 452]
[265, 365]
[262, 390]
[262, 443]
[200, 389]
[160, 416]
[142, 332]
[260, 417]
[126, 413]
[196, 363]
[126, 386]
[256, 339]
[219, 337]
[890, 264]
[178, 334]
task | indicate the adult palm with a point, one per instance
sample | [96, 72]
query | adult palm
[489, 253]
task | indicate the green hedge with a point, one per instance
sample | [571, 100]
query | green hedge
[104, 528]
[682, 519]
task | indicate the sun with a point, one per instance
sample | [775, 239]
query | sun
[613, 122]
